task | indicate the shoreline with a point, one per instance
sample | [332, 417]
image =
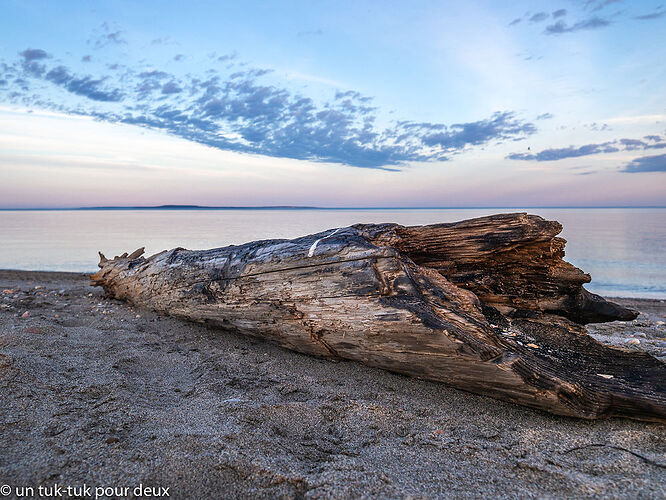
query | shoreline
[20, 272]
[304, 207]
[98, 392]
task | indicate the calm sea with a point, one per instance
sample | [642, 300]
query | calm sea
[623, 249]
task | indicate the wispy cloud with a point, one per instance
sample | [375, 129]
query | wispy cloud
[227, 57]
[85, 86]
[660, 12]
[459, 135]
[538, 17]
[34, 54]
[561, 27]
[646, 164]
[108, 36]
[650, 142]
[597, 127]
[242, 111]
[593, 18]
[32, 64]
[597, 5]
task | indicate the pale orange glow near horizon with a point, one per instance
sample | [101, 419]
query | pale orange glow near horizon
[53, 161]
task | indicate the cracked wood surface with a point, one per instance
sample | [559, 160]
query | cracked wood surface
[486, 305]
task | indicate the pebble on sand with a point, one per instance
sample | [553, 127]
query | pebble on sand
[632, 342]
[26, 314]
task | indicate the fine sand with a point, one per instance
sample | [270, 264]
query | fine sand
[98, 393]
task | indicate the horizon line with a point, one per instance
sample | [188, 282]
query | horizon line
[307, 207]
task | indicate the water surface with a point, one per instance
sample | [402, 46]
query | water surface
[623, 249]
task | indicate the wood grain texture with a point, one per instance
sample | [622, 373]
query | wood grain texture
[486, 305]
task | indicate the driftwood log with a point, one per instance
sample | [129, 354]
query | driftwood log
[486, 305]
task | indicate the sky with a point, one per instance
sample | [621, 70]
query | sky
[333, 104]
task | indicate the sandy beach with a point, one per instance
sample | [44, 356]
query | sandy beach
[97, 393]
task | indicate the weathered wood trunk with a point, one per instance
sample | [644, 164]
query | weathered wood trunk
[486, 305]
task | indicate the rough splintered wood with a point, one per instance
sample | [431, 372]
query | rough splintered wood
[486, 305]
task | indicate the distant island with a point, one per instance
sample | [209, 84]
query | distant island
[176, 207]
[200, 207]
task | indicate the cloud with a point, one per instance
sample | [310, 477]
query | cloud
[632, 144]
[654, 15]
[85, 86]
[635, 144]
[31, 62]
[92, 89]
[352, 94]
[171, 88]
[163, 40]
[592, 22]
[244, 112]
[86, 59]
[646, 164]
[594, 18]
[154, 74]
[597, 127]
[544, 116]
[560, 27]
[561, 153]
[108, 37]
[538, 17]
[34, 54]
[227, 57]
[589, 149]
[597, 5]
[459, 135]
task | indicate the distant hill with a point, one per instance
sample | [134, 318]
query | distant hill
[198, 207]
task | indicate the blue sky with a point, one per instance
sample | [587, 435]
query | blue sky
[333, 103]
